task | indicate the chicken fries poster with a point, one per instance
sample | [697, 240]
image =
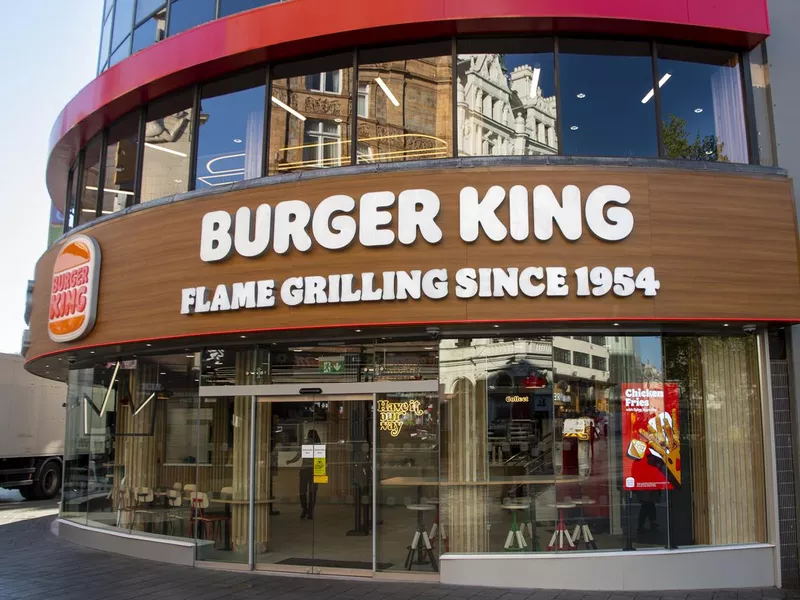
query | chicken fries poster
[651, 448]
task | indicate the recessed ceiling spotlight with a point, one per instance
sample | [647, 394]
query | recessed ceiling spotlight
[242, 336]
[179, 181]
[496, 326]
[148, 345]
[616, 324]
[725, 325]
[91, 351]
[163, 373]
[237, 140]
[698, 110]
[358, 331]
[574, 128]
[581, 95]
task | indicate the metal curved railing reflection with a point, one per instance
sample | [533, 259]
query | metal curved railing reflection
[329, 154]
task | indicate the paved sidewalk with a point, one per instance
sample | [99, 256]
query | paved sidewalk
[36, 564]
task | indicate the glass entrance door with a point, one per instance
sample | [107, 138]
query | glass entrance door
[314, 454]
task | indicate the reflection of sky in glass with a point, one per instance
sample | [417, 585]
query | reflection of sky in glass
[648, 349]
[688, 89]
[223, 135]
[611, 119]
[543, 60]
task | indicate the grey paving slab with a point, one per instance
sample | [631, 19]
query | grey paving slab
[65, 571]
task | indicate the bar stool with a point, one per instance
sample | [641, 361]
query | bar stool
[582, 528]
[515, 535]
[173, 513]
[199, 505]
[143, 500]
[561, 531]
[438, 526]
[421, 544]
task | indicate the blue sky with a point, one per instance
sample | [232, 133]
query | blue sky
[49, 52]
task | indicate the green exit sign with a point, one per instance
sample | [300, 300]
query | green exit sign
[331, 365]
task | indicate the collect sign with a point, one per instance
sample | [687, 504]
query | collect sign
[380, 220]
[650, 436]
[73, 294]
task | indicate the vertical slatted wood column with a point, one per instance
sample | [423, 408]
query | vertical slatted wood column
[263, 443]
[247, 367]
[735, 450]
[697, 423]
[466, 460]
[138, 460]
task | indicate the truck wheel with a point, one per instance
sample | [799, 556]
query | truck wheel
[49, 482]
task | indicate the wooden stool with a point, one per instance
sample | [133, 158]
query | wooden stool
[438, 526]
[582, 528]
[421, 544]
[515, 535]
[561, 529]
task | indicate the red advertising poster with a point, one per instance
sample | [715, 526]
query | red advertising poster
[651, 450]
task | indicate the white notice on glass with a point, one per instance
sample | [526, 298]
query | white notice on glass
[319, 450]
[307, 450]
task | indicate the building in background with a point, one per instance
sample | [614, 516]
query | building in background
[489, 294]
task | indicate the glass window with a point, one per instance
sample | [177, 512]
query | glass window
[105, 42]
[580, 359]
[363, 99]
[230, 146]
[410, 103]
[581, 338]
[145, 8]
[561, 355]
[311, 111]
[185, 14]
[91, 172]
[701, 104]
[599, 340]
[120, 53]
[506, 98]
[123, 21]
[721, 496]
[599, 363]
[229, 7]
[328, 81]
[605, 109]
[150, 32]
[167, 144]
[123, 146]
[72, 198]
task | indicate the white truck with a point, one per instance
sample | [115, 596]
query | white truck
[31, 430]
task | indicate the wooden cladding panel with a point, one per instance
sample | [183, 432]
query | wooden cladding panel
[723, 246]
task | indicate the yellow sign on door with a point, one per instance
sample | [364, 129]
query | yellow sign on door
[319, 467]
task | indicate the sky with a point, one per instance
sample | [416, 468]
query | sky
[48, 52]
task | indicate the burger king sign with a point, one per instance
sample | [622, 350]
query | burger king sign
[73, 296]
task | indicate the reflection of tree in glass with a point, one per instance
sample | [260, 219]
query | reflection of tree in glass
[677, 145]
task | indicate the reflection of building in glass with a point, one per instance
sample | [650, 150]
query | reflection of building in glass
[501, 113]
[310, 121]
[404, 110]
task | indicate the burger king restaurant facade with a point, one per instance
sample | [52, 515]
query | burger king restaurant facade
[497, 298]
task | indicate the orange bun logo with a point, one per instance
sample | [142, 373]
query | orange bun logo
[73, 296]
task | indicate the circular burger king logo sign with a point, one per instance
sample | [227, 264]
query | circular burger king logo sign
[73, 296]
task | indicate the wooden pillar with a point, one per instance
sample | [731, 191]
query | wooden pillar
[247, 366]
[466, 460]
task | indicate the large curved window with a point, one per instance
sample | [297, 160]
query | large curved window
[604, 87]
[701, 104]
[406, 106]
[231, 130]
[310, 114]
[504, 96]
[167, 144]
